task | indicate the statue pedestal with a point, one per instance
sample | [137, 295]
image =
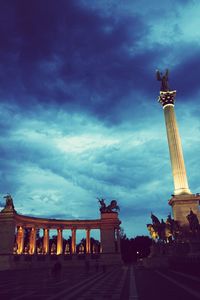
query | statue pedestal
[109, 225]
[110, 239]
[7, 237]
[7, 232]
[181, 206]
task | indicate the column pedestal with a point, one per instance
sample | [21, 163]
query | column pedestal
[181, 205]
[7, 233]
[7, 239]
[109, 224]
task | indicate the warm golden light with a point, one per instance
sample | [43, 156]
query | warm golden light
[20, 240]
[88, 241]
[46, 241]
[59, 242]
[32, 241]
[73, 241]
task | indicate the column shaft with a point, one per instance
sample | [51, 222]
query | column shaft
[46, 241]
[176, 153]
[20, 240]
[32, 241]
[73, 241]
[88, 250]
[59, 242]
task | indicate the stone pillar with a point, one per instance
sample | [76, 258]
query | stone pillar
[20, 240]
[88, 250]
[73, 240]
[109, 222]
[46, 240]
[182, 200]
[174, 142]
[7, 227]
[108, 239]
[32, 240]
[59, 242]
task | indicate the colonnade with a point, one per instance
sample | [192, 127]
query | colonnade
[25, 239]
[46, 239]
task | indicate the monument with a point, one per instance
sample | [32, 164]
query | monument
[20, 246]
[182, 201]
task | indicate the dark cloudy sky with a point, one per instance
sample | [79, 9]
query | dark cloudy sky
[79, 116]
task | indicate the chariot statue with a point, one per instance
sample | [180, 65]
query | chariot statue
[163, 231]
[112, 207]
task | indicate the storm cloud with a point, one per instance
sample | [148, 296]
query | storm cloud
[79, 117]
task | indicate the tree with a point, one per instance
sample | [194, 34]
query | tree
[135, 248]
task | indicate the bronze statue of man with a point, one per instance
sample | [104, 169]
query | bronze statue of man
[193, 221]
[164, 80]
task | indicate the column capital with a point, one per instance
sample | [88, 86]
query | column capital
[167, 98]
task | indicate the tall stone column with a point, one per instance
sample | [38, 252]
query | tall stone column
[59, 242]
[32, 240]
[88, 250]
[46, 240]
[20, 240]
[182, 200]
[73, 240]
[174, 142]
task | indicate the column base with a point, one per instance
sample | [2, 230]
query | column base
[180, 192]
[181, 206]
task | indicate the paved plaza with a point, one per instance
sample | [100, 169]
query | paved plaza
[126, 282]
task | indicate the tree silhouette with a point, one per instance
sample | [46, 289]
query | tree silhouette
[134, 248]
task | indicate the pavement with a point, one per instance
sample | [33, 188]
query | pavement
[114, 283]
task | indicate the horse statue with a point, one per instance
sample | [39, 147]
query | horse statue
[152, 232]
[113, 206]
[172, 228]
[158, 227]
[163, 231]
